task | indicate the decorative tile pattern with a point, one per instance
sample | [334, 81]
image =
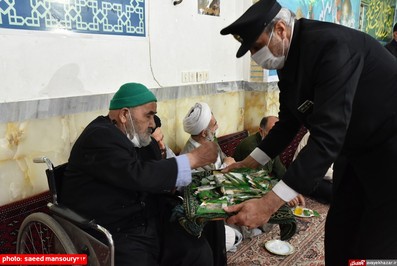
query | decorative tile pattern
[120, 17]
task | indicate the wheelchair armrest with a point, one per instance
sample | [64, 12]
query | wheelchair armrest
[71, 216]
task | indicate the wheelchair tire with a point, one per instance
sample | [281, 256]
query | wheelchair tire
[41, 234]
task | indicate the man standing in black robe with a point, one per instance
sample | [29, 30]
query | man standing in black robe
[341, 84]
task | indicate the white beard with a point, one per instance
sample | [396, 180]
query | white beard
[138, 140]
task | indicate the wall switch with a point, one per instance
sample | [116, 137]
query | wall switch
[185, 77]
[192, 77]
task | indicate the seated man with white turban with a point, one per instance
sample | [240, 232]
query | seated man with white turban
[201, 124]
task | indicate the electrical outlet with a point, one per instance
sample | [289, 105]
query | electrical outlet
[205, 75]
[200, 76]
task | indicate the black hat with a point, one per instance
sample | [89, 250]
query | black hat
[157, 122]
[247, 28]
[395, 27]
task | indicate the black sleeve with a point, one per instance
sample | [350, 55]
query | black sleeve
[335, 82]
[104, 153]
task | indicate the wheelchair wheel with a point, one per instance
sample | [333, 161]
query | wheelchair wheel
[42, 234]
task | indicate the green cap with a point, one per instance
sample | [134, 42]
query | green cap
[131, 95]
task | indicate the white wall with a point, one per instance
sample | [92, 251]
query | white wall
[40, 65]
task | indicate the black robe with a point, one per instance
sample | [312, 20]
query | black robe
[341, 84]
[106, 179]
[392, 47]
[128, 191]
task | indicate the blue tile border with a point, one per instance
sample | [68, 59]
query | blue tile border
[115, 17]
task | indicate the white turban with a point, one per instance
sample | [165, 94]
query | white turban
[197, 119]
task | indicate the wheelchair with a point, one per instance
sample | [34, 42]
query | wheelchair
[63, 231]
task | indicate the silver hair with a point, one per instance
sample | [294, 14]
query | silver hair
[285, 15]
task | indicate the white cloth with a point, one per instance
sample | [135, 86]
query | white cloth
[197, 119]
[233, 238]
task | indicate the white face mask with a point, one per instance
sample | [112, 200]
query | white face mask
[265, 58]
[133, 136]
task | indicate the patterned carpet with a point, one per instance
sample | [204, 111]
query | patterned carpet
[308, 243]
[12, 215]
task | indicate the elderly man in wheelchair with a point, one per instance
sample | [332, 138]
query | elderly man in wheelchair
[115, 176]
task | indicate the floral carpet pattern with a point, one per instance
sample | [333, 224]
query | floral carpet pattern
[308, 243]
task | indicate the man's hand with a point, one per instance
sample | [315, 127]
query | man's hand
[205, 154]
[297, 201]
[248, 162]
[255, 212]
[228, 160]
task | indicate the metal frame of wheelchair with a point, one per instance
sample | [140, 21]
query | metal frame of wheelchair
[64, 231]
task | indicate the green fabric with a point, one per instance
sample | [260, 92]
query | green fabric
[192, 226]
[131, 95]
[286, 221]
[276, 168]
[246, 146]
[193, 220]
